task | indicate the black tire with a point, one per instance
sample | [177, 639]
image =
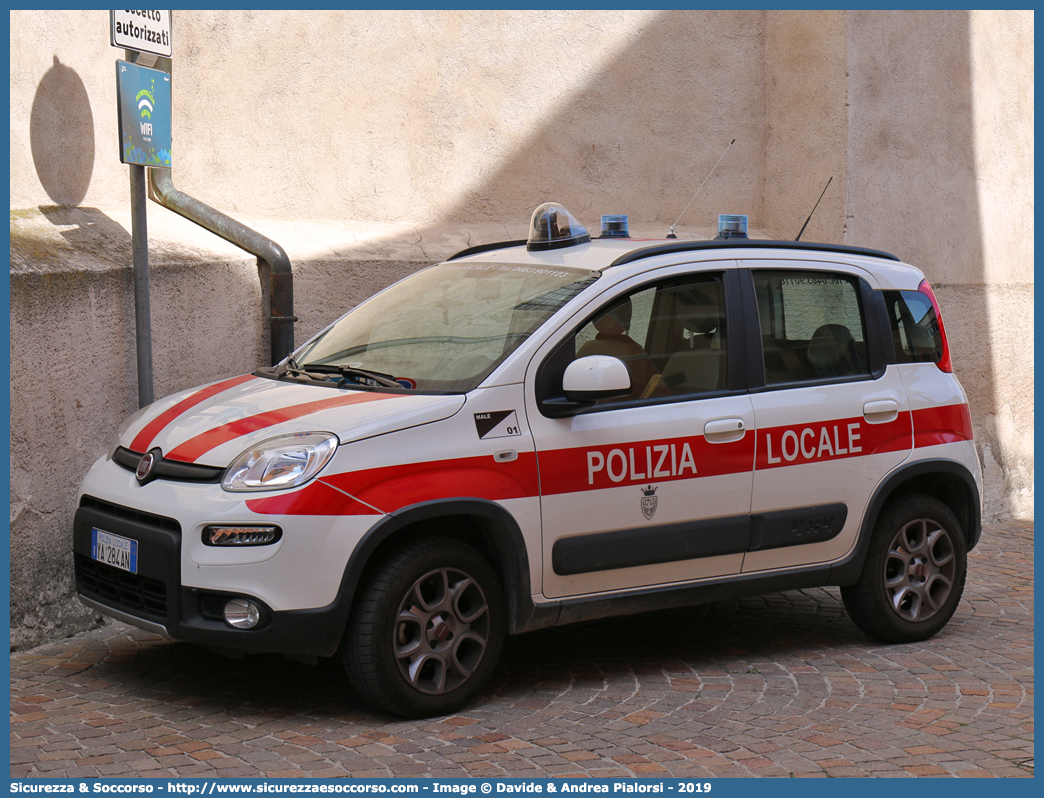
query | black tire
[427, 629]
[914, 572]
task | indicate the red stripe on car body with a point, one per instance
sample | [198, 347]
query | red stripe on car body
[641, 462]
[936, 425]
[580, 469]
[838, 439]
[194, 448]
[143, 440]
[392, 487]
[316, 498]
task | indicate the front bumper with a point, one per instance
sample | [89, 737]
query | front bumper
[154, 599]
[181, 587]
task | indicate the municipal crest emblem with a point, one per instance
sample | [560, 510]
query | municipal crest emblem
[648, 501]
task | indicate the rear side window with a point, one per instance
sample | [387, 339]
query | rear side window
[915, 327]
[812, 326]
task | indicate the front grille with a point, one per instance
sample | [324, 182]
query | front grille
[168, 469]
[131, 592]
[152, 592]
[130, 515]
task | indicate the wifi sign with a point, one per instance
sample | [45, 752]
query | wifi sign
[144, 113]
[145, 100]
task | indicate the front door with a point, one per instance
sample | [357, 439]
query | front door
[654, 487]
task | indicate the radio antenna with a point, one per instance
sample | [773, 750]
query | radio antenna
[809, 219]
[673, 233]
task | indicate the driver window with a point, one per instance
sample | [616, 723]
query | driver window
[671, 337]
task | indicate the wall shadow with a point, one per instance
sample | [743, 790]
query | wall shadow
[61, 134]
[93, 232]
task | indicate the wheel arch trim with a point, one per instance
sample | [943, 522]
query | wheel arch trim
[847, 572]
[499, 530]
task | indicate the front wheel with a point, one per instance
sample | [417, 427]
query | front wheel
[914, 572]
[428, 629]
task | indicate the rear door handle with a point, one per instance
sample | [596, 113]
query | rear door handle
[881, 412]
[724, 430]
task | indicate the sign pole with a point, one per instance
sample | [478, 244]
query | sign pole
[142, 301]
[144, 140]
[142, 304]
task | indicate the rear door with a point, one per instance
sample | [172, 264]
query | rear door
[831, 412]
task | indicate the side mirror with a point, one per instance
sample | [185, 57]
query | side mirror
[596, 377]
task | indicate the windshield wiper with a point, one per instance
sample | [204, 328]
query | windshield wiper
[387, 380]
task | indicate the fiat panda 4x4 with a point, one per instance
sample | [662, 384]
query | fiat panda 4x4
[547, 431]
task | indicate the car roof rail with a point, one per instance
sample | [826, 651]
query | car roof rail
[745, 243]
[486, 248]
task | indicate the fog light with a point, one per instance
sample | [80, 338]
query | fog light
[242, 614]
[241, 535]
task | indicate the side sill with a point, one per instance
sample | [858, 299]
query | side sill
[661, 598]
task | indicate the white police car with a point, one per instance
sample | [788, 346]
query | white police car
[536, 433]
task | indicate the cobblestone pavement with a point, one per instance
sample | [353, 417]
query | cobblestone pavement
[775, 686]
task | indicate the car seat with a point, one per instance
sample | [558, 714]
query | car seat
[700, 367]
[832, 352]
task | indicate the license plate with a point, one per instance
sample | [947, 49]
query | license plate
[114, 550]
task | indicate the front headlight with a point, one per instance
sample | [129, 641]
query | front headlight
[283, 462]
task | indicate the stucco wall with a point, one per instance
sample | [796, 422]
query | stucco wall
[417, 116]
[806, 124]
[372, 143]
[940, 171]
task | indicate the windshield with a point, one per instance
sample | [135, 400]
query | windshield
[446, 328]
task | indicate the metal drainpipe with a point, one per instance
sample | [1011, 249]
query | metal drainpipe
[281, 276]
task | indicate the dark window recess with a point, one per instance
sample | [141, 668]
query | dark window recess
[169, 469]
[136, 594]
[212, 607]
[132, 516]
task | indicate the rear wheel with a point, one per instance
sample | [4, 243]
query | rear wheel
[914, 572]
[427, 630]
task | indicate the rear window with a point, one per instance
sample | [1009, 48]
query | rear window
[915, 327]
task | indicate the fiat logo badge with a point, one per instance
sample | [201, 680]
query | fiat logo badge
[145, 466]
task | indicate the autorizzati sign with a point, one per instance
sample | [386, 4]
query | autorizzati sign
[145, 31]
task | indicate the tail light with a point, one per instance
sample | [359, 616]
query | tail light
[944, 363]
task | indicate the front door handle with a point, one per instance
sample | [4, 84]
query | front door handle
[724, 430]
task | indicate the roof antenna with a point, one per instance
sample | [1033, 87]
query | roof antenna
[809, 219]
[673, 233]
